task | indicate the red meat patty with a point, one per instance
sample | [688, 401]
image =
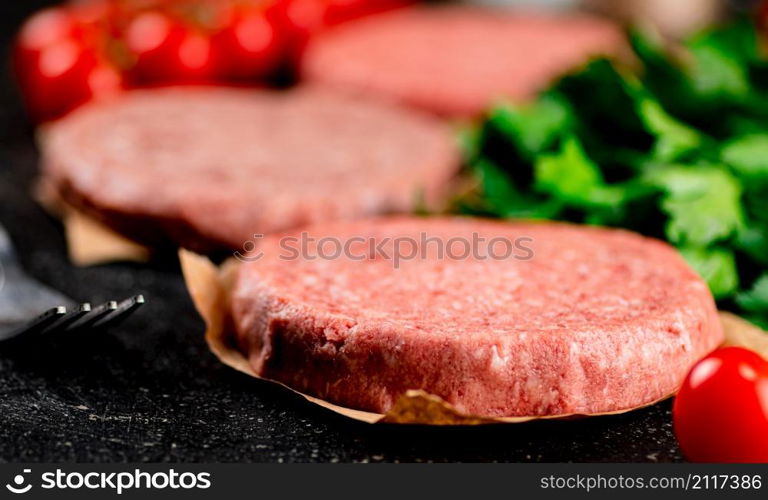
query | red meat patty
[208, 168]
[560, 319]
[456, 61]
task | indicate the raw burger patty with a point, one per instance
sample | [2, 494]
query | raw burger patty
[208, 168]
[457, 60]
[597, 320]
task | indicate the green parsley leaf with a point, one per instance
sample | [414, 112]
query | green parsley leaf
[703, 203]
[756, 299]
[715, 74]
[747, 155]
[505, 200]
[535, 126]
[717, 266]
[570, 175]
[660, 74]
[753, 241]
[673, 138]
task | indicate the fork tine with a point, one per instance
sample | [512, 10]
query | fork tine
[92, 316]
[38, 323]
[67, 319]
[124, 309]
[57, 319]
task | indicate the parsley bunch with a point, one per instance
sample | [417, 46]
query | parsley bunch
[675, 148]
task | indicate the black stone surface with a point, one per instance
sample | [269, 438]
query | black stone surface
[151, 391]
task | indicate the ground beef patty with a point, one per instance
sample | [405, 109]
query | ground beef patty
[575, 319]
[207, 168]
[455, 61]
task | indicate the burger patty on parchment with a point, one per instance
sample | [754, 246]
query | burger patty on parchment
[208, 168]
[556, 319]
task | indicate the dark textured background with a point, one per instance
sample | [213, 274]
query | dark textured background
[151, 391]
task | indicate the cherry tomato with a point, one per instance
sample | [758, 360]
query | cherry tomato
[46, 27]
[721, 411]
[70, 54]
[302, 19]
[249, 46]
[59, 65]
[339, 11]
[165, 50]
[299, 20]
[92, 12]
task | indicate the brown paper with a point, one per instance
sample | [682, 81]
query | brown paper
[89, 242]
[209, 287]
[741, 333]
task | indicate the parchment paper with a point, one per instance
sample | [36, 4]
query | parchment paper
[89, 242]
[741, 333]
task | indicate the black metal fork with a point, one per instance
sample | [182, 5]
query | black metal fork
[29, 308]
